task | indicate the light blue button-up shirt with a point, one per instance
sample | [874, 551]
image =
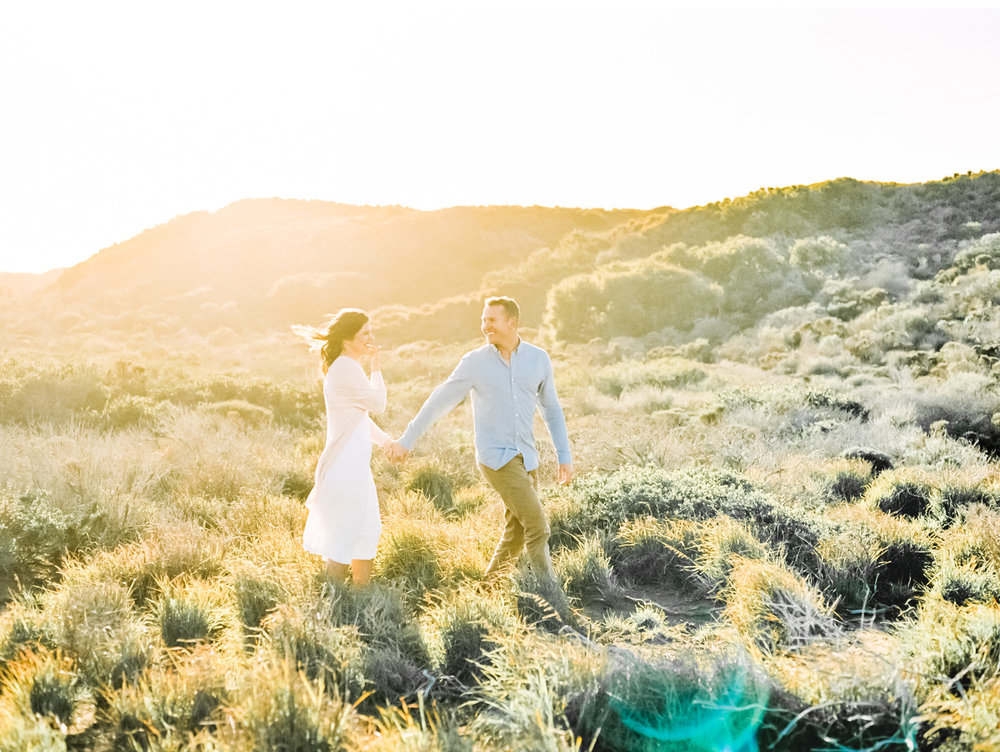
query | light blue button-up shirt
[504, 397]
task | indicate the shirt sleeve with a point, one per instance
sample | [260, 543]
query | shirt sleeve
[350, 386]
[552, 413]
[379, 436]
[442, 401]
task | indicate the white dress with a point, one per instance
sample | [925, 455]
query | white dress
[344, 521]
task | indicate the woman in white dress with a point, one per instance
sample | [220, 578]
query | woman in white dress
[343, 525]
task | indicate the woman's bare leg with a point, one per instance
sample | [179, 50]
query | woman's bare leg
[362, 571]
[337, 571]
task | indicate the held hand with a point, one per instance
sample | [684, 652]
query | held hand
[396, 452]
[565, 473]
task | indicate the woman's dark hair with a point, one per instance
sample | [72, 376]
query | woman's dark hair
[343, 326]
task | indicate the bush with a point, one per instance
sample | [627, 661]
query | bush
[407, 557]
[957, 499]
[963, 585]
[909, 500]
[468, 648]
[604, 503]
[255, 599]
[628, 300]
[188, 616]
[126, 411]
[623, 377]
[847, 486]
[380, 617]
[24, 635]
[295, 484]
[773, 608]
[241, 410]
[34, 538]
[33, 396]
[542, 603]
[651, 552]
[435, 484]
[393, 676]
[54, 691]
[817, 253]
[586, 574]
[903, 571]
[953, 646]
[324, 653]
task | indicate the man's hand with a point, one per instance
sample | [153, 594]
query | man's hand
[395, 451]
[565, 473]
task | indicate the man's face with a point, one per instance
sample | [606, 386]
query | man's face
[499, 328]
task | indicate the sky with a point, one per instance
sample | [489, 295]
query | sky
[118, 116]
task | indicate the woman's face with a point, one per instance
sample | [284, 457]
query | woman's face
[362, 343]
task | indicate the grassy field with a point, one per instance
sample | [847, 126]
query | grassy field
[790, 557]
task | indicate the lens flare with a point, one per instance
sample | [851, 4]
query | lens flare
[642, 707]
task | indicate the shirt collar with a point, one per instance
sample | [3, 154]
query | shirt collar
[512, 352]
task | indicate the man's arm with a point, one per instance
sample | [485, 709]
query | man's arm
[552, 413]
[442, 401]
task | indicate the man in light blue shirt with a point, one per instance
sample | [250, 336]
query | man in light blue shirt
[507, 379]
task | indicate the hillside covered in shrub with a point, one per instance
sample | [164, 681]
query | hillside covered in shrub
[785, 417]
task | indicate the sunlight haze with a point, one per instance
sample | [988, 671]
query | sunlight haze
[120, 116]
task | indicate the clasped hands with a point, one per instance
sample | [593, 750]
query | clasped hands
[395, 451]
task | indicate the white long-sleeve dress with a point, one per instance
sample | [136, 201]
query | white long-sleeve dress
[344, 522]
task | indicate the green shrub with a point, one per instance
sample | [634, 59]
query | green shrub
[380, 616]
[169, 706]
[468, 648]
[55, 692]
[773, 608]
[622, 377]
[955, 647]
[324, 653]
[847, 486]
[31, 734]
[957, 499]
[184, 621]
[23, 635]
[407, 557]
[34, 536]
[241, 410]
[628, 300]
[295, 484]
[287, 723]
[724, 543]
[817, 253]
[605, 502]
[125, 411]
[906, 499]
[33, 396]
[290, 404]
[393, 676]
[963, 585]
[435, 484]
[650, 552]
[121, 660]
[255, 599]
[889, 723]
[586, 574]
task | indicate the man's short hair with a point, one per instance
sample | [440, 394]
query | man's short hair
[510, 306]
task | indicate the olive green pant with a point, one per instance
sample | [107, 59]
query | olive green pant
[526, 526]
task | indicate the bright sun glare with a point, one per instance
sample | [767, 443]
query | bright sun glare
[123, 115]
